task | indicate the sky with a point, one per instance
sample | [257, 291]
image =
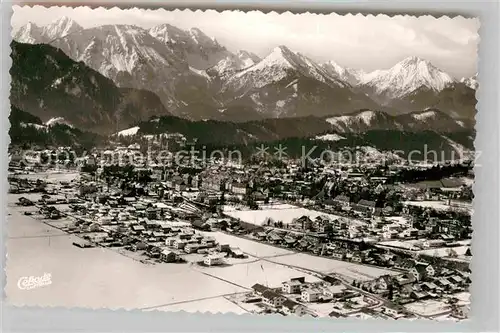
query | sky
[355, 41]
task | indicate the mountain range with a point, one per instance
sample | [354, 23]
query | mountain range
[197, 78]
[373, 130]
[48, 84]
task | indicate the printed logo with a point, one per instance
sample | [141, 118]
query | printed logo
[32, 282]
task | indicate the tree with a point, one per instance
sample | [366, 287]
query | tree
[452, 253]
[251, 203]
[391, 291]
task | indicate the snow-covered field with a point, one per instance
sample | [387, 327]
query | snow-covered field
[407, 244]
[398, 219]
[100, 277]
[51, 176]
[95, 277]
[301, 260]
[329, 137]
[263, 272]
[129, 131]
[211, 305]
[428, 307]
[437, 205]
[325, 265]
[285, 213]
[445, 251]
[417, 246]
[248, 246]
[428, 204]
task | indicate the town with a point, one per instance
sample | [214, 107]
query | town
[371, 240]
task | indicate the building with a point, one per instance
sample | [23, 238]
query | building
[310, 295]
[303, 223]
[290, 307]
[259, 289]
[390, 234]
[192, 248]
[179, 244]
[214, 259]
[410, 232]
[238, 188]
[272, 298]
[342, 201]
[392, 312]
[422, 270]
[365, 206]
[169, 256]
[333, 291]
[434, 243]
[211, 184]
[292, 286]
[201, 225]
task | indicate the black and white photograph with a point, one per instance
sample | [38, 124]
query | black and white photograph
[293, 164]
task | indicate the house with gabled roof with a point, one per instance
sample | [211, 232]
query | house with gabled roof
[272, 298]
[259, 289]
[365, 206]
[302, 223]
[290, 307]
[342, 201]
[422, 270]
[293, 286]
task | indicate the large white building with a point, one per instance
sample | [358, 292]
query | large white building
[214, 259]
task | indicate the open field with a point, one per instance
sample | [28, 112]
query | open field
[35, 248]
[251, 247]
[437, 205]
[445, 251]
[282, 212]
[265, 273]
[428, 307]
[301, 260]
[211, 305]
[51, 176]
[327, 266]
[106, 279]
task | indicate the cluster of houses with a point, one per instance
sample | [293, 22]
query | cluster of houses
[347, 241]
[421, 281]
[297, 297]
[164, 239]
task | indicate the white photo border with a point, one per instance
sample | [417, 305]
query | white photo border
[485, 278]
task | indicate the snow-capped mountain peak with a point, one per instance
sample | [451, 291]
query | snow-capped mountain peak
[470, 82]
[407, 76]
[276, 65]
[349, 75]
[357, 121]
[335, 67]
[57, 121]
[200, 50]
[29, 33]
[426, 115]
[202, 39]
[247, 58]
[233, 63]
[61, 28]
[280, 56]
[167, 33]
[32, 34]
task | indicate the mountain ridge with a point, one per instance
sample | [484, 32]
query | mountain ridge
[190, 71]
[48, 84]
